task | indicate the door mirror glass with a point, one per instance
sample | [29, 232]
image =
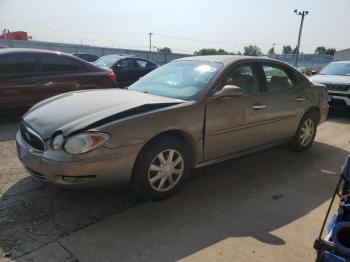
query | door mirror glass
[229, 90]
[119, 67]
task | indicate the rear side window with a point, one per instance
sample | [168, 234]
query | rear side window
[17, 64]
[141, 63]
[59, 64]
[127, 63]
[277, 78]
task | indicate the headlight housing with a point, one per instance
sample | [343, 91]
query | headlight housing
[85, 142]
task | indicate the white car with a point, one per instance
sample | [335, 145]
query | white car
[336, 76]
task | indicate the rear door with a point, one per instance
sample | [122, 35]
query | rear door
[235, 124]
[285, 100]
[19, 83]
[60, 74]
[144, 67]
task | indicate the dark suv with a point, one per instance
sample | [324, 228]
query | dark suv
[30, 75]
[127, 68]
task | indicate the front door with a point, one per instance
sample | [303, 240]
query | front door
[235, 124]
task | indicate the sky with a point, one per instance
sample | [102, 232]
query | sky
[184, 26]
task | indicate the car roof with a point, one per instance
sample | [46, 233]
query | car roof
[125, 56]
[11, 50]
[226, 59]
[341, 62]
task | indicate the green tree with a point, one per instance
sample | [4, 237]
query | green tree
[330, 51]
[165, 50]
[252, 50]
[320, 50]
[272, 51]
[287, 49]
[213, 51]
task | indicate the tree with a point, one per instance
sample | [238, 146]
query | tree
[272, 51]
[330, 51]
[252, 50]
[320, 50]
[287, 49]
[213, 51]
[165, 50]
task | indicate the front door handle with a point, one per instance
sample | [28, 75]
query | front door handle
[258, 107]
[300, 99]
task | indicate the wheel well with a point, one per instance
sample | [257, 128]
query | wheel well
[185, 137]
[314, 110]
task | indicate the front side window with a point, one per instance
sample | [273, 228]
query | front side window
[342, 69]
[107, 61]
[243, 76]
[276, 78]
[55, 63]
[17, 64]
[182, 79]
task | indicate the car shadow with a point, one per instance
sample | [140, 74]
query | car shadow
[249, 196]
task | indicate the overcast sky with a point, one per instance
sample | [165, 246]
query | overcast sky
[183, 25]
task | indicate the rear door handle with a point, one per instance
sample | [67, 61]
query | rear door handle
[258, 107]
[300, 99]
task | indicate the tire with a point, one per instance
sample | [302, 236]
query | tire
[155, 177]
[305, 134]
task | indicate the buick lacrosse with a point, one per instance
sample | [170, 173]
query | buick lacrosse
[188, 113]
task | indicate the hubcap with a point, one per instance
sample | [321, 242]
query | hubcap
[165, 170]
[307, 132]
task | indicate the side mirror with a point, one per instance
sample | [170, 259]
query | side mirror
[118, 66]
[229, 90]
[314, 72]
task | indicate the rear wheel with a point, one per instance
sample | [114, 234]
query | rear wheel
[305, 134]
[161, 168]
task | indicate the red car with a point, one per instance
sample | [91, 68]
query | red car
[28, 76]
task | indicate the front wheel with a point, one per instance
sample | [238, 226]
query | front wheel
[162, 168]
[305, 134]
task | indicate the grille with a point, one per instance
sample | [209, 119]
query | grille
[31, 138]
[338, 87]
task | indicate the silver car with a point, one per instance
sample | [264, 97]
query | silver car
[186, 114]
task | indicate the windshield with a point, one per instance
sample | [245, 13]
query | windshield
[182, 79]
[342, 69]
[107, 61]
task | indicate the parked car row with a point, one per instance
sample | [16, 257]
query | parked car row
[28, 76]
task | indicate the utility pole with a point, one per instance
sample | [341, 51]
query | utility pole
[150, 44]
[302, 14]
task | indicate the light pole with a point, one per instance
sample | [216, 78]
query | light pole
[150, 44]
[302, 14]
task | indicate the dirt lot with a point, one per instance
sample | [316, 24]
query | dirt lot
[266, 206]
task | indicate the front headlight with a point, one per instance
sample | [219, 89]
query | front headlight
[85, 142]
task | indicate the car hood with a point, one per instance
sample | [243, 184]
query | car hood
[331, 79]
[75, 111]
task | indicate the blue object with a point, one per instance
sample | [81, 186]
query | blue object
[346, 170]
[329, 257]
[340, 238]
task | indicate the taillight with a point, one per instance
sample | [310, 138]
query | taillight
[111, 75]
